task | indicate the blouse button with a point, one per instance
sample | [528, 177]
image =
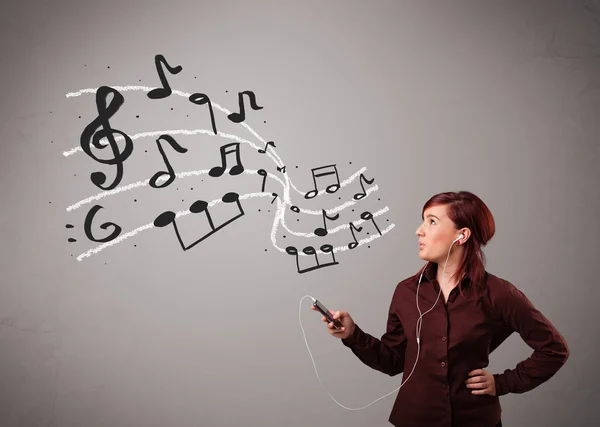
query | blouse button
[443, 338]
[443, 363]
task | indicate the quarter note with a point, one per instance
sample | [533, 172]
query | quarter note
[87, 226]
[170, 172]
[262, 173]
[330, 188]
[165, 90]
[369, 216]
[267, 146]
[323, 231]
[359, 196]
[90, 137]
[199, 206]
[201, 99]
[241, 116]
[354, 244]
[309, 250]
[225, 150]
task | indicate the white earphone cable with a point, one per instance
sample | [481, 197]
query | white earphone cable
[418, 332]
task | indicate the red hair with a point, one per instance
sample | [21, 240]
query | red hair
[465, 209]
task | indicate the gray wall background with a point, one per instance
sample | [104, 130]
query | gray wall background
[498, 98]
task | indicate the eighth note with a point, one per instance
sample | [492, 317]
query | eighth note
[267, 146]
[241, 116]
[199, 206]
[164, 91]
[235, 170]
[331, 188]
[323, 231]
[170, 170]
[309, 250]
[359, 196]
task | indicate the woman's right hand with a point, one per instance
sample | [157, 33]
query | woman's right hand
[344, 318]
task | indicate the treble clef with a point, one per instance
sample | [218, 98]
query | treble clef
[90, 136]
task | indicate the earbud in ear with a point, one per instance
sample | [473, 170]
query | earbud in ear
[462, 236]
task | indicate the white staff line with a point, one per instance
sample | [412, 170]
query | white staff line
[278, 218]
[181, 175]
[185, 95]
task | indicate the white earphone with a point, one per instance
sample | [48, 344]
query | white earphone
[418, 328]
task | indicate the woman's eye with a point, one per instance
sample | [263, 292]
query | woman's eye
[431, 220]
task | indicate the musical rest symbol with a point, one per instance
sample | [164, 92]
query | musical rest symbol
[359, 196]
[201, 99]
[331, 188]
[170, 172]
[309, 250]
[89, 136]
[267, 146]
[241, 116]
[235, 170]
[199, 206]
[323, 231]
[282, 169]
[262, 173]
[275, 195]
[165, 90]
[87, 226]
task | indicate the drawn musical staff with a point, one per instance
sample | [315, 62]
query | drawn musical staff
[199, 206]
[309, 250]
[235, 170]
[359, 196]
[331, 188]
[323, 231]
[170, 170]
[266, 146]
[87, 226]
[165, 90]
[262, 173]
[282, 169]
[201, 99]
[354, 244]
[241, 116]
[89, 136]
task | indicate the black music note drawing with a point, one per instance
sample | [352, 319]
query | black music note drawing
[275, 195]
[359, 196]
[330, 188]
[267, 146]
[309, 250]
[295, 209]
[87, 226]
[201, 99]
[323, 231]
[282, 169]
[170, 170]
[199, 206]
[354, 244]
[241, 116]
[89, 136]
[165, 90]
[369, 216]
[262, 173]
[235, 170]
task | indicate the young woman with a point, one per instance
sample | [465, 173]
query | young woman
[444, 321]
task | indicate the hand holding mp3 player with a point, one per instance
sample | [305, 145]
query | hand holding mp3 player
[325, 312]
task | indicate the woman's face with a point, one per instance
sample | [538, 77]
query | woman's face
[436, 234]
